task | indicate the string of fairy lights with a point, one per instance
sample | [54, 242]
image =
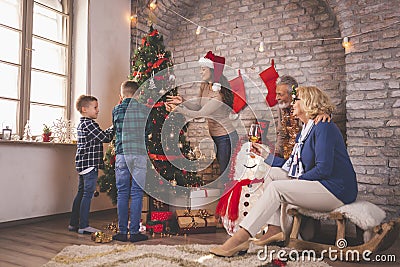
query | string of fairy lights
[261, 47]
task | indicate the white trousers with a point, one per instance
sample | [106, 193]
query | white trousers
[280, 188]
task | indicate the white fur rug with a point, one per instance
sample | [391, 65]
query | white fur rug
[160, 255]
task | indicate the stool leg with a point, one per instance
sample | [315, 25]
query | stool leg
[296, 226]
[341, 229]
[359, 235]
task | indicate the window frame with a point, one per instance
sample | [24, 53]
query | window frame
[24, 79]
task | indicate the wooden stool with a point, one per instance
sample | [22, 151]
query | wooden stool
[385, 236]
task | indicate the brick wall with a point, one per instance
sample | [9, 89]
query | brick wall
[363, 82]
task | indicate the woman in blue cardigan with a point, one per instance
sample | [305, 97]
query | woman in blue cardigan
[318, 175]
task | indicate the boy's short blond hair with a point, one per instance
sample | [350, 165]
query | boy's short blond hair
[129, 88]
[84, 101]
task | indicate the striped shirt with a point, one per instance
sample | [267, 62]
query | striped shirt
[129, 121]
[89, 151]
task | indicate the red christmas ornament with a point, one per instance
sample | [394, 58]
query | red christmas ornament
[112, 160]
[181, 132]
[160, 182]
[184, 172]
[150, 101]
[149, 64]
[154, 121]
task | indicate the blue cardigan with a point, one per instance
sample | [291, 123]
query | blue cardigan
[325, 159]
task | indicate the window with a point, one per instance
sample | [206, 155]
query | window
[34, 63]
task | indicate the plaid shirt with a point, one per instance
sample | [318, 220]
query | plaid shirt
[89, 151]
[129, 120]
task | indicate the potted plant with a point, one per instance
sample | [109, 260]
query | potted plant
[46, 133]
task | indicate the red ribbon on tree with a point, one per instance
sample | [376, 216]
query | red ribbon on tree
[164, 157]
[156, 105]
[159, 62]
[153, 33]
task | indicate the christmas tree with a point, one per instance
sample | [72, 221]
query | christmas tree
[166, 143]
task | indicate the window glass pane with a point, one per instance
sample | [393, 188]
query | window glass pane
[10, 13]
[9, 76]
[56, 4]
[48, 56]
[8, 114]
[9, 50]
[43, 115]
[48, 24]
[47, 88]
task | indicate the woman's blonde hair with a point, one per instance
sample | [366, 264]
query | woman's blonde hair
[315, 101]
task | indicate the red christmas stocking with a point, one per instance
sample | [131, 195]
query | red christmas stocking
[239, 93]
[269, 77]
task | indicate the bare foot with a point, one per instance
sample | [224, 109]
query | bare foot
[272, 230]
[238, 238]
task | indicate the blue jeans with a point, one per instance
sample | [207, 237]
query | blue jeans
[225, 144]
[81, 204]
[130, 188]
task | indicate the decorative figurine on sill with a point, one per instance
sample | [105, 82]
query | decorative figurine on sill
[27, 132]
[46, 133]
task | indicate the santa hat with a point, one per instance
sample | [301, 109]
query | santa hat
[214, 62]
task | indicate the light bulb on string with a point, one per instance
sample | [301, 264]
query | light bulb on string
[261, 47]
[346, 44]
[198, 30]
[153, 4]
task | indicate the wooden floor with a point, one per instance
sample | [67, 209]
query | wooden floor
[35, 242]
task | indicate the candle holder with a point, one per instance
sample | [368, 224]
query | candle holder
[7, 133]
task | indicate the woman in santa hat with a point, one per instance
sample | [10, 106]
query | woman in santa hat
[214, 103]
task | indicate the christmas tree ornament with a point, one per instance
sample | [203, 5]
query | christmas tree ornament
[152, 85]
[150, 101]
[162, 92]
[160, 55]
[269, 77]
[173, 182]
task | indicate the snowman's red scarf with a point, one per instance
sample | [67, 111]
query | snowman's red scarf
[233, 191]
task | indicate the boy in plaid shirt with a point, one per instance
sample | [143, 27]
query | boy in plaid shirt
[88, 160]
[129, 120]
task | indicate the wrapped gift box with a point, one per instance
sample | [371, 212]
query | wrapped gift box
[155, 226]
[161, 215]
[196, 221]
[204, 198]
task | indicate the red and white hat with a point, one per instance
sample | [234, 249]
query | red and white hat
[216, 63]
